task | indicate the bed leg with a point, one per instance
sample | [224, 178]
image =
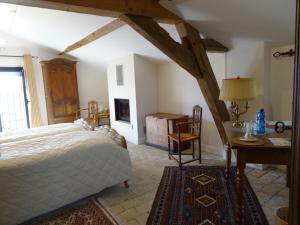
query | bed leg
[126, 184]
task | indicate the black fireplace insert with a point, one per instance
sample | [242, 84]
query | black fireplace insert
[122, 109]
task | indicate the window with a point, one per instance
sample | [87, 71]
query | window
[13, 100]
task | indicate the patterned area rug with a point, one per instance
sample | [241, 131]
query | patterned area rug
[87, 213]
[198, 195]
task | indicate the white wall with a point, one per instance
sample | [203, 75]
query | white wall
[140, 87]
[246, 59]
[20, 47]
[127, 91]
[281, 84]
[146, 91]
[179, 92]
[92, 83]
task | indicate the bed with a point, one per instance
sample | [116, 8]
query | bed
[44, 173]
[13, 136]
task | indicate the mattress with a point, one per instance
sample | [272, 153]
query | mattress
[12, 136]
[45, 173]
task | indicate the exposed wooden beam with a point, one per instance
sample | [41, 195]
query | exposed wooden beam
[208, 83]
[110, 8]
[160, 38]
[106, 29]
[212, 45]
[191, 55]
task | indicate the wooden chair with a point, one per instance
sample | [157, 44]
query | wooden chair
[92, 117]
[194, 135]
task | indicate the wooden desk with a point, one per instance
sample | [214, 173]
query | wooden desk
[262, 154]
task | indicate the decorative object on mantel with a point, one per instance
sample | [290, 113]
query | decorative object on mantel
[238, 90]
[289, 53]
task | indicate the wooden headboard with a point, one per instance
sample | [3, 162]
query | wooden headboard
[113, 134]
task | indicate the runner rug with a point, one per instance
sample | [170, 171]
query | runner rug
[89, 212]
[198, 195]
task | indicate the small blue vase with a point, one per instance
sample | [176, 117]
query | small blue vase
[261, 121]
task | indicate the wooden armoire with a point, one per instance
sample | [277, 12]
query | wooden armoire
[61, 90]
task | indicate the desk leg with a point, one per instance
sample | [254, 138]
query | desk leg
[288, 176]
[240, 188]
[228, 161]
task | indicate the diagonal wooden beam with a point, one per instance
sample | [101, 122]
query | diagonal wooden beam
[109, 8]
[191, 55]
[160, 38]
[108, 28]
[208, 83]
[212, 45]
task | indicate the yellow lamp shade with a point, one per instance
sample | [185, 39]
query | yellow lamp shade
[238, 89]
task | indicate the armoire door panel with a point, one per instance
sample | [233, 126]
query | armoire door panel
[61, 89]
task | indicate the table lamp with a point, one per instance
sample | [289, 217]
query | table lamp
[238, 90]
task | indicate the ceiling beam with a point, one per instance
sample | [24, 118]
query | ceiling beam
[208, 83]
[106, 29]
[191, 55]
[161, 39]
[212, 45]
[209, 44]
[109, 8]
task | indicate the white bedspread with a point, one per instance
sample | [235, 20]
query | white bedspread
[45, 173]
[26, 134]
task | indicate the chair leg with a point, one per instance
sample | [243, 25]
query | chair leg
[200, 157]
[169, 147]
[193, 149]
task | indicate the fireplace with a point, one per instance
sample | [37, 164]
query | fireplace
[122, 109]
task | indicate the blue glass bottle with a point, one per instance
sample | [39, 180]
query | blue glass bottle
[261, 121]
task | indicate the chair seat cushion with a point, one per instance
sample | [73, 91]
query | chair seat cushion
[183, 137]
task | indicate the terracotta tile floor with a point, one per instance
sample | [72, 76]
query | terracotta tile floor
[131, 206]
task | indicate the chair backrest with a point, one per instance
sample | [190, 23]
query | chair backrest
[92, 109]
[197, 120]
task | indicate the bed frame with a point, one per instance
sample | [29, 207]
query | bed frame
[118, 138]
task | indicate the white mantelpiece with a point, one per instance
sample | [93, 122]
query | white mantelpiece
[140, 87]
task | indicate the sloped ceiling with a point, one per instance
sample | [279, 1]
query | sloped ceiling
[267, 20]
